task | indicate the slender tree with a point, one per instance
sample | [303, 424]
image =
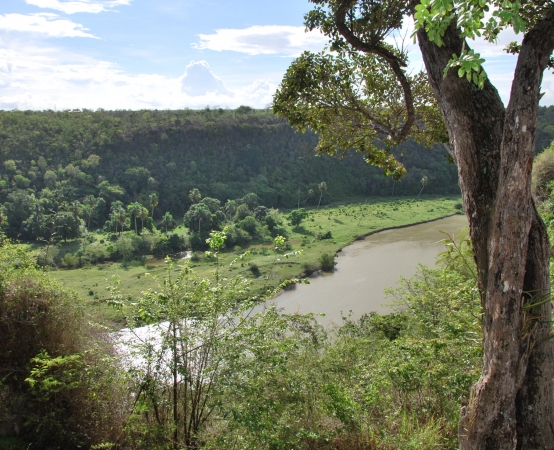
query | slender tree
[153, 197]
[310, 195]
[423, 182]
[134, 210]
[167, 221]
[322, 189]
[143, 214]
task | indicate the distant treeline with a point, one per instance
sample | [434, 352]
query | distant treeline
[51, 160]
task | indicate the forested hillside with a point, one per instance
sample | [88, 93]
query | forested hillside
[85, 160]
[56, 158]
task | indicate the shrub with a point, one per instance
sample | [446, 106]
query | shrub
[196, 256]
[327, 262]
[249, 224]
[237, 236]
[309, 268]
[326, 235]
[165, 245]
[197, 241]
[61, 389]
[70, 260]
[254, 269]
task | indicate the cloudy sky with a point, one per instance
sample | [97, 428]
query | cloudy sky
[164, 54]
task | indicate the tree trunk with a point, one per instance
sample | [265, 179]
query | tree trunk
[511, 404]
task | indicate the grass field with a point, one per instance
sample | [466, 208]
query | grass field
[345, 223]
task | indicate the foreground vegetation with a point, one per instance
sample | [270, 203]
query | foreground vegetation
[219, 377]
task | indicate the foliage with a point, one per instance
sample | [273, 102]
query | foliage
[327, 262]
[297, 216]
[249, 224]
[166, 245]
[59, 381]
[99, 158]
[543, 173]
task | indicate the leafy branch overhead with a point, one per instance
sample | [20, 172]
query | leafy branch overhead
[477, 19]
[359, 94]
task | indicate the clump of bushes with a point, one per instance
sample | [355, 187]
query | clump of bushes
[166, 245]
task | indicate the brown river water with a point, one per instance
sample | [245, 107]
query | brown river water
[367, 267]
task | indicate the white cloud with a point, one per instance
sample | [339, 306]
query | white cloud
[263, 40]
[43, 23]
[40, 78]
[199, 80]
[79, 6]
[548, 89]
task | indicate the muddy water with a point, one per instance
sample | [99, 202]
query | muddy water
[365, 268]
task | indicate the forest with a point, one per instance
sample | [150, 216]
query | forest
[79, 163]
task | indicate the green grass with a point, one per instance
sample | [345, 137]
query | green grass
[345, 222]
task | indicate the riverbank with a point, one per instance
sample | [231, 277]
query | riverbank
[340, 224]
[367, 268]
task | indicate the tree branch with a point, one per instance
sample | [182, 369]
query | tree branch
[393, 61]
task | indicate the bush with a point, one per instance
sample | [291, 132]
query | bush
[327, 262]
[196, 256]
[237, 236]
[326, 235]
[254, 269]
[197, 241]
[165, 245]
[249, 224]
[60, 384]
[70, 260]
[309, 268]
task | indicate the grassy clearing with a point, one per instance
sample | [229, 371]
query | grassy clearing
[263, 266]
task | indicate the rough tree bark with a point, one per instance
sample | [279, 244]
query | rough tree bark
[511, 405]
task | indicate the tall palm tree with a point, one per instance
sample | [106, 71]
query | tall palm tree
[423, 182]
[143, 216]
[166, 221]
[310, 195]
[121, 216]
[153, 202]
[195, 195]
[134, 210]
[322, 188]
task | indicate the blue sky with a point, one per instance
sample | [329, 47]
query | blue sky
[166, 54]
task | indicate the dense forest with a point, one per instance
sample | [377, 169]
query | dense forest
[59, 165]
[83, 161]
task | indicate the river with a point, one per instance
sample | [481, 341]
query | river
[366, 268]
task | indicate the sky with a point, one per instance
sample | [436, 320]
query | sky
[168, 54]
